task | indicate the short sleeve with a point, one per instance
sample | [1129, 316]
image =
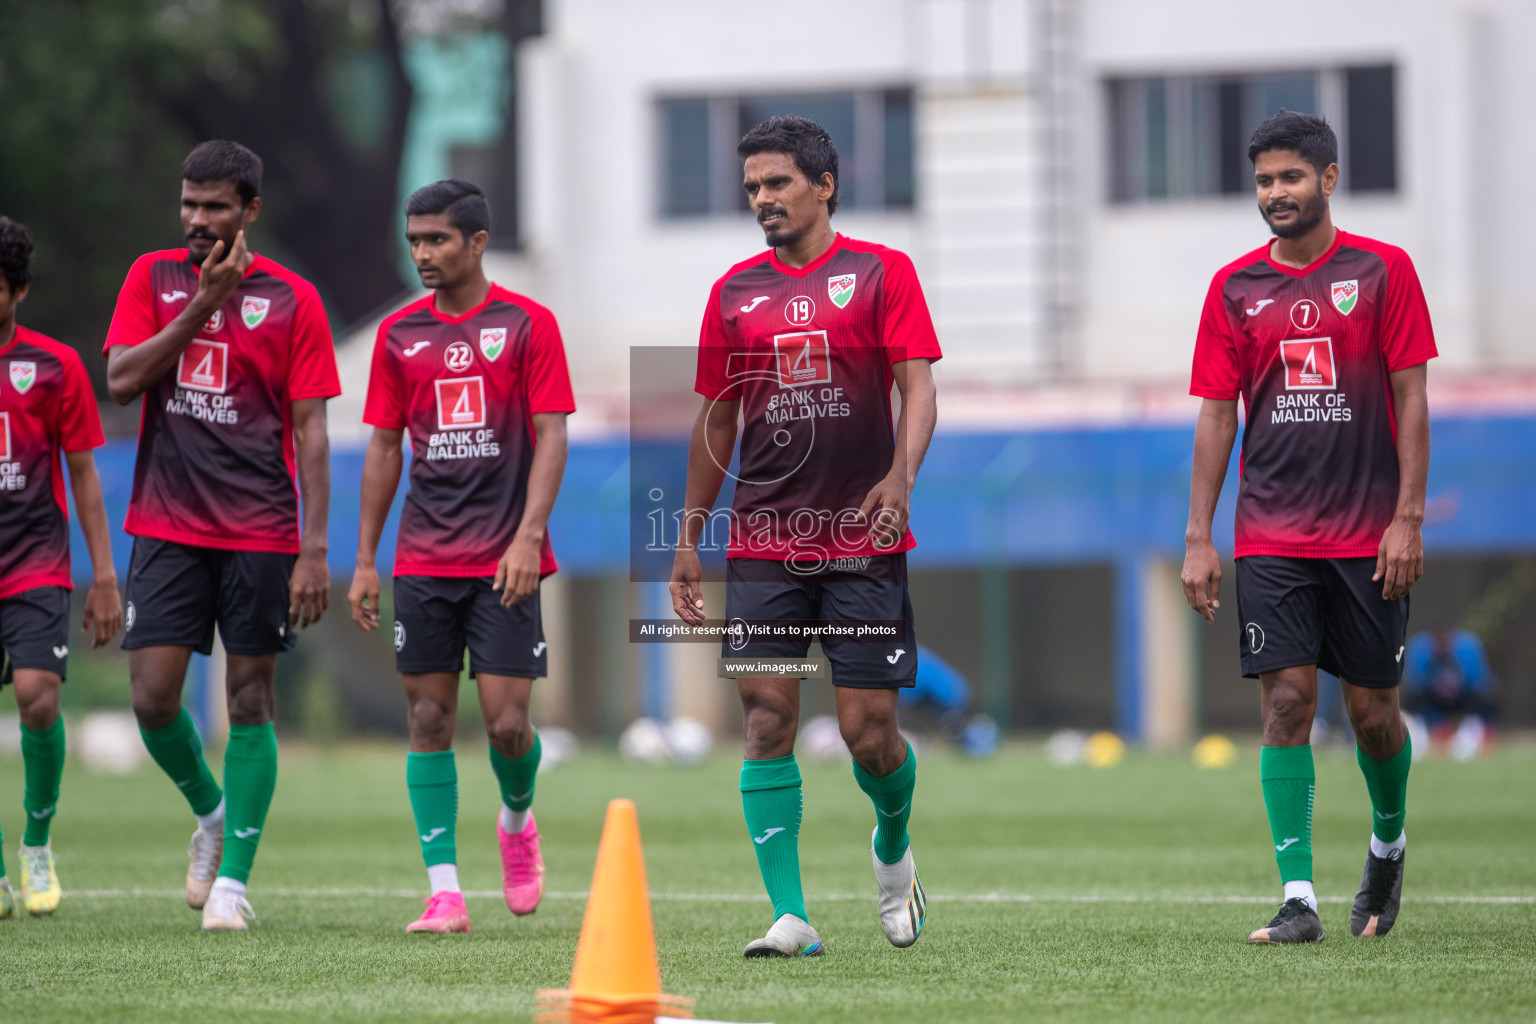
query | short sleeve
[385, 406]
[1407, 337]
[133, 321]
[312, 359]
[1216, 373]
[908, 332]
[549, 379]
[712, 379]
[79, 420]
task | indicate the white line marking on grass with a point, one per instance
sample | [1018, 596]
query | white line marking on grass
[738, 897]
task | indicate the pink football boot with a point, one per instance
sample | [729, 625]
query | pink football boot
[445, 913]
[522, 867]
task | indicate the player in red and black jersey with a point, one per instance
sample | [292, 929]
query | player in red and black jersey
[1325, 336]
[477, 375]
[46, 408]
[803, 343]
[233, 357]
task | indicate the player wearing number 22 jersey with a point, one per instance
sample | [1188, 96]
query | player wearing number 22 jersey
[1325, 336]
[476, 375]
[804, 342]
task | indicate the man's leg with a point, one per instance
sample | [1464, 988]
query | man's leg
[1288, 779]
[1385, 754]
[42, 752]
[515, 755]
[250, 764]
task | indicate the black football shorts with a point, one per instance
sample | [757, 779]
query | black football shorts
[34, 631]
[1326, 612]
[850, 589]
[177, 593]
[436, 617]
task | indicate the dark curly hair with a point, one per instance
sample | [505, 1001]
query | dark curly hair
[807, 142]
[15, 253]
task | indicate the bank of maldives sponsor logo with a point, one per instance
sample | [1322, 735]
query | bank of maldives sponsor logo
[840, 289]
[1309, 364]
[204, 366]
[23, 376]
[493, 340]
[802, 359]
[460, 403]
[254, 310]
[5, 437]
[1344, 295]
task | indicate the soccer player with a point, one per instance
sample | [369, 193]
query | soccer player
[233, 356]
[46, 406]
[477, 374]
[803, 342]
[1326, 337]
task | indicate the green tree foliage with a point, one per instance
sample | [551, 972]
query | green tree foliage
[100, 100]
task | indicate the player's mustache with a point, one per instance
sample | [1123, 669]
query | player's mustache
[202, 233]
[1281, 207]
[770, 211]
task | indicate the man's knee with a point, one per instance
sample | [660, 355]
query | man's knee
[873, 737]
[509, 731]
[1375, 717]
[251, 697]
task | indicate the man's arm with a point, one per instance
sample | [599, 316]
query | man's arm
[134, 369]
[381, 476]
[914, 430]
[1400, 558]
[103, 604]
[310, 590]
[517, 574]
[1215, 431]
[709, 452]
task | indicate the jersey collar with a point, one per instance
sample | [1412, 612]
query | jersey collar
[811, 267]
[490, 296]
[1338, 240]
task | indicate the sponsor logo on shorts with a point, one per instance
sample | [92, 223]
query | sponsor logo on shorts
[894, 658]
[61, 652]
[1255, 635]
[129, 617]
[399, 636]
[538, 648]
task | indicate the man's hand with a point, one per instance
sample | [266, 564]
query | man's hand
[1202, 578]
[217, 279]
[1399, 558]
[309, 592]
[887, 508]
[687, 587]
[103, 611]
[363, 596]
[517, 574]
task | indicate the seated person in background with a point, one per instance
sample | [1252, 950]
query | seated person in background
[1448, 684]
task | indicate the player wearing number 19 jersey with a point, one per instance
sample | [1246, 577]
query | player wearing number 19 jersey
[233, 357]
[477, 375]
[1325, 335]
[804, 342]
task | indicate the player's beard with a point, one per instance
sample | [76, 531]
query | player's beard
[781, 239]
[1308, 216]
[196, 258]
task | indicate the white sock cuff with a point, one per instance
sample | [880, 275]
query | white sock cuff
[1384, 850]
[237, 887]
[443, 878]
[213, 818]
[1302, 889]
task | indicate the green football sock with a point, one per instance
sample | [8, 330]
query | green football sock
[517, 778]
[433, 781]
[2, 853]
[178, 750]
[770, 800]
[1289, 783]
[892, 797]
[250, 776]
[1387, 782]
[42, 754]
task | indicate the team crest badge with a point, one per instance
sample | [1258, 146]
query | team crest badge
[23, 376]
[1345, 294]
[253, 310]
[492, 341]
[840, 289]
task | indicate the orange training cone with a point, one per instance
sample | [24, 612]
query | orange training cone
[616, 979]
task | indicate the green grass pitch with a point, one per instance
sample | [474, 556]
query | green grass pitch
[1056, 894]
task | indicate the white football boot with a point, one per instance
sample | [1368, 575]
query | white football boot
[789, 936]
[903, 905]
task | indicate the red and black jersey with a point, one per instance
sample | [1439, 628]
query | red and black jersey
[467, 388]
[215, 463]
[1310, 351]
[809, 351]
[46, 406]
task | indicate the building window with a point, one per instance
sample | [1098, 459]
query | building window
[872, 129]
[1185, 136]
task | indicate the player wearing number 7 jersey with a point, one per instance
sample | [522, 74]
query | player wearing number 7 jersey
[477, 374]
[1326, 337]
[803, 343]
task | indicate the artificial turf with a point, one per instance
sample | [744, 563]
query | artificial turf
[1055, 894]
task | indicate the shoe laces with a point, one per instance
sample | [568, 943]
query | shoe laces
[202, 848]
[521, 848]
[226, 903]
[37, 862]
[443, 904]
